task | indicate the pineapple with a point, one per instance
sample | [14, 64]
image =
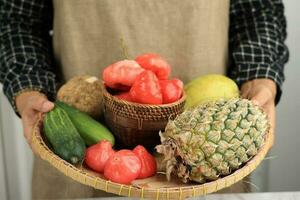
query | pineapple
[213, 139]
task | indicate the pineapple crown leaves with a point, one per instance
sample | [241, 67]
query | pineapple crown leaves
[124, 48]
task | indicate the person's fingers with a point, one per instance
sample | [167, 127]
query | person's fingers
[260, 97]
[28, 133]
[26, 129]
[37, 104]
[28, 119]
[42, 104]
[30, 106]
[245, 89]
[269, 108]
[262, 93]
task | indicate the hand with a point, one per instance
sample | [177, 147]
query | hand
[30, 105]
[262, 92]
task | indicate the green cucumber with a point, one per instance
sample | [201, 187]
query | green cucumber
[63, 136]
[89, 129]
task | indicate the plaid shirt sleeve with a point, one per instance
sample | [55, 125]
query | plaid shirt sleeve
[25, 55]
[257, 50]
[257, 34]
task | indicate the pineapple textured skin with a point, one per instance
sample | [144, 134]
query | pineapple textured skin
[212, 140]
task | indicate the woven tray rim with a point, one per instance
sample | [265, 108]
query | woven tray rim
[77, 174]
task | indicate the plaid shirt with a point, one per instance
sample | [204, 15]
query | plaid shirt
[257, 50]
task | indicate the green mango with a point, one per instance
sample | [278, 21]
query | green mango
[209, 87]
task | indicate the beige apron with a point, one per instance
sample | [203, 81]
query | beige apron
[192, 35]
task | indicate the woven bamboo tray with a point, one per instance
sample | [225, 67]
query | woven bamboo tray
[156, 187]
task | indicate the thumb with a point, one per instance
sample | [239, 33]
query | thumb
[47, 106]
[260, 97]
[245, 89]
[42, 104]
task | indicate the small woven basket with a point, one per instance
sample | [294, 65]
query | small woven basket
[156, 187]
[134, 123]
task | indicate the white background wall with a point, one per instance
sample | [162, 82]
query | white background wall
[284, 171]
[3, 188]
[279, 174]
[16, 155]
